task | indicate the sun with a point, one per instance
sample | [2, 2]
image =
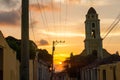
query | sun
[60, 62]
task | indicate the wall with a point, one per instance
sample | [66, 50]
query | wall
[9, 60]
[43, 71]
[118, 71]
[30, 69]
[17, 70]
[112, 71]
[9, 67]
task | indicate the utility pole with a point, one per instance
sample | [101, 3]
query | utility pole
[24, 67]
[52, 66]
[53, 49]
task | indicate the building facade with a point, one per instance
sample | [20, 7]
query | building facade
[41, 70]
[10, 66]
[89, 73]
[61, 76]
[109, 71]
[8, 63]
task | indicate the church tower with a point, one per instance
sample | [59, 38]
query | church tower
[93, 40]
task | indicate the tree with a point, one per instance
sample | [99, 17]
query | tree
[74, 63]
[44, 55]
[15, 44]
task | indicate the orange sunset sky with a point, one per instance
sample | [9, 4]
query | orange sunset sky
[63, 20]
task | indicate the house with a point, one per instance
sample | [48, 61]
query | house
[105, 69]
[109, 68]
[8, 62]
[41, 70]
[39, 62]
[61, 76]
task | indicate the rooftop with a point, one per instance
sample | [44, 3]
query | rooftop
[91, 11]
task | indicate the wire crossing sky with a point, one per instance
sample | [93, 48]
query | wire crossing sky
[61, 20]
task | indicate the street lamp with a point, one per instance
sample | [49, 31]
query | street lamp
[53, 49]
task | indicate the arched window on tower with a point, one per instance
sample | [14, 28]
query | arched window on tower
[93, 34]
[93, 30]
[93, 25]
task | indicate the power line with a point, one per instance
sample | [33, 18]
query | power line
[53, 16]
[42, 16]
[60, 17]
[66, 16]
[32, 26]
[112, 26]
[53, 13]
[66, 13]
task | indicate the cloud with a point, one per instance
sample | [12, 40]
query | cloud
[9, 18]
[42, 7]
[62, 1]
[85, 2]
[67, 1]
[63, 34]
[9, 3]
[33, 22]
[114, 34]
[95, 2]
[74, 1]
[43, 42]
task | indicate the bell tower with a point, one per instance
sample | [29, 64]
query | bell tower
[93, 40]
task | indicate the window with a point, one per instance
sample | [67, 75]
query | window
[89, 74]
[93, 30]
[92, 16]
[93, 34]
[1, 63]
[1, 58]
[94, 52]
[1, 75]
[104, 74]
[40, 74]
[93, 25]
[95, 74]
[114, 72]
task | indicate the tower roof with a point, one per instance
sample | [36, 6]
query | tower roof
[91, 11]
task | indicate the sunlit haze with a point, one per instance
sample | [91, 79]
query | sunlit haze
[61, 20]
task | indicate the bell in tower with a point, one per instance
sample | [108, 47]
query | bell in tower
[93, 41]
